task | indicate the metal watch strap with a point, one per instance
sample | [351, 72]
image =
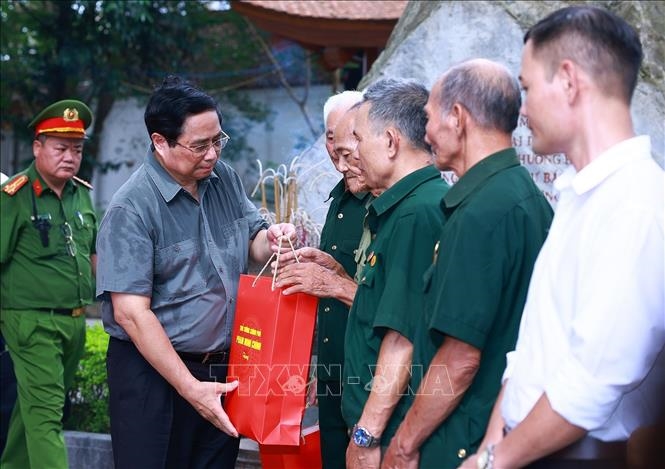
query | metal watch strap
[373, 441]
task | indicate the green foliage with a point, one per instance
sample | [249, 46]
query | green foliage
[89, 396]
[100, 51]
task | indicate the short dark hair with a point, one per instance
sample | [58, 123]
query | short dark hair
[402, 104]
[487, 90]
[599, 41]
[172, 103]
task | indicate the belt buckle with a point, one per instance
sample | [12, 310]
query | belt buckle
[76, 312]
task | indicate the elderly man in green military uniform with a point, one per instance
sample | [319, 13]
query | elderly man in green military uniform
[404, 221]
[327, 273]
[47, 260]
[496, 220]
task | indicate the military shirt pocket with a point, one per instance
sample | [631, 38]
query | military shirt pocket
[177, 275]
[56, 241]
[84, 225]
[232, 245]
[349, 246]
[346, 254]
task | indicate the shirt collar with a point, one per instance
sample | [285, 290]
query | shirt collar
[340, 189]
[167, 186]
[39, 185]
[402, 188]
[478, 174]
[607, 163]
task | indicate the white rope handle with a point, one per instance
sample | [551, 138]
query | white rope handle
[276, 254]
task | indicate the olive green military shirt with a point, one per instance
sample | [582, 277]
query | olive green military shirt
[405, 221]
[38, 276]
[496, 221]
[340, 237]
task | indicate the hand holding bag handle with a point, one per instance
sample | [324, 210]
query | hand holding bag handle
[276, 255]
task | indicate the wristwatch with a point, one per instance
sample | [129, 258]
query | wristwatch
[486, 458]
[363, 438]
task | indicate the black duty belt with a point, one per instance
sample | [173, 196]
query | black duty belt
[73, 312]
[212, 358]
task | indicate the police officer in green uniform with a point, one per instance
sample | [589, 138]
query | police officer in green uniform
[327, 273]
[495, 222]
[404, 221]
[47, 259]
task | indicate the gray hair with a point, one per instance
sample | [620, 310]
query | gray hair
[402, 104]
[487, 90]
[346, 98]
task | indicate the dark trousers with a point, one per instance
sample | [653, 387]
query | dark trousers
[8, 396]
[334, 431]
[152, 426]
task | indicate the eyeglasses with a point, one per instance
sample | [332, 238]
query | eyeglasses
[202, 150]
[69, 240]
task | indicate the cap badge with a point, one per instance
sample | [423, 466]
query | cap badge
[70, 114]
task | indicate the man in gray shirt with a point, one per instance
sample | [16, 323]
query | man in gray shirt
[171, 248]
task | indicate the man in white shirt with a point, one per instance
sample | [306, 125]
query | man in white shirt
[589, 366]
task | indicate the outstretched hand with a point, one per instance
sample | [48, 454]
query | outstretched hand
[308, 254]
[309, 278]
[205, 398]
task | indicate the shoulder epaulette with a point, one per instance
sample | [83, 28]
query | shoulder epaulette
[13, 186]
[82, 182]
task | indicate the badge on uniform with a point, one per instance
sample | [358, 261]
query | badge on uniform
[371, 259]
[15, 184]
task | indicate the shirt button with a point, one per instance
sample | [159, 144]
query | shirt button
[326, 309]
[340, 215]
[325, 341]
[363, 279]
[333, 247]
[355, 251]
[461, 453]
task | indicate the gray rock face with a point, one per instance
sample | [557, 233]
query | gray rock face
[432, 36]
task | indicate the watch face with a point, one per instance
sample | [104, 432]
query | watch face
[361, 438]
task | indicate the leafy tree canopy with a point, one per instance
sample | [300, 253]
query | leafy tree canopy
[100, 51]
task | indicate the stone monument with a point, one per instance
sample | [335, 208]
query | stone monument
[432, 36]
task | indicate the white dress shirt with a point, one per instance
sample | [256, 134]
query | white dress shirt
[593, 328]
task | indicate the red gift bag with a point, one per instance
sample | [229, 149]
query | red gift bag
[270, 357]
[305, 456]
